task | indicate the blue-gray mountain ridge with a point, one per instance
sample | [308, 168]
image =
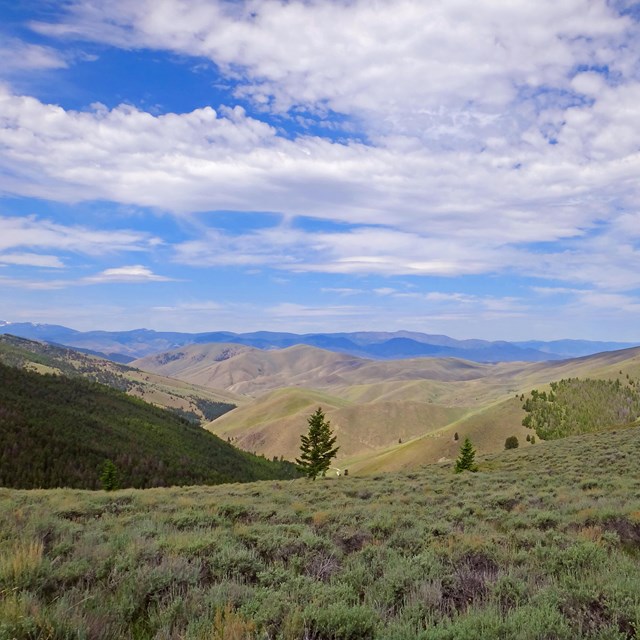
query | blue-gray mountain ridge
[125, 346]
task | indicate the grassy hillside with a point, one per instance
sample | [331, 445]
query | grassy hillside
[195, 403]
[542, 543]
[57, 431]
[250, 371]
[487, 427]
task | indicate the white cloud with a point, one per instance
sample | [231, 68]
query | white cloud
[37, 233]
[205, 305]
[133, 273]
[20, 56]
[31, 260]
[370, 58]
[488, 127]
[359, 251]
[118, 275]
[343, 291]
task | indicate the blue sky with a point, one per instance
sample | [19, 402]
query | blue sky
[456, 167]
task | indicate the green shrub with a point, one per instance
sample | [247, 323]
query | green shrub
[512, 442]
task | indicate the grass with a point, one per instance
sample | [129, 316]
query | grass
[542, 543]
[488, 427]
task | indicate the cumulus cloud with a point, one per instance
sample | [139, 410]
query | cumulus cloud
[369, 58]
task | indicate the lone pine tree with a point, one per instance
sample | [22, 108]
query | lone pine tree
[465, 461]
[317, 446]
[109, 476]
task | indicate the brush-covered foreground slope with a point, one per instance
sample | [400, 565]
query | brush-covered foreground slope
[540, 544]
[58, 432]
[193, 402]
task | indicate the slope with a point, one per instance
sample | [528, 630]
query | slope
[272, 425]
[250, 371]
[543, 542]
[424, 414]
[195, 403]
[487, 427]
[58, 431]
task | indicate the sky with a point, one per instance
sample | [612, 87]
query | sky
[465, 167]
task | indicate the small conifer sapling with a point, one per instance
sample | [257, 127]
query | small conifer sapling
[109, 476]
[466, 459]
[317, 446]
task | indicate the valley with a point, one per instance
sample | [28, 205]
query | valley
[387, 414]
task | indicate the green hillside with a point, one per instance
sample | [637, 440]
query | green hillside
[575, 406]
[190, 401]
[542, 543]
[57, 432]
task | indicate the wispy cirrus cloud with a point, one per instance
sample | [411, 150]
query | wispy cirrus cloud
[34, 232]
[31, 260]
[133, 274]
[20, 56]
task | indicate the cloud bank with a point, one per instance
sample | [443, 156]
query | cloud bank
[443, 139]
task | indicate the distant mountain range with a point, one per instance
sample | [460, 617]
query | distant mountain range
[125, 346]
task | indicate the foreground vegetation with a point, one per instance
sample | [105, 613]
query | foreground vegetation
[540, 543]
[58, 432]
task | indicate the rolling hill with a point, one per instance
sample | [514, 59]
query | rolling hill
[57, 431]
[195, 403]
[390, 415]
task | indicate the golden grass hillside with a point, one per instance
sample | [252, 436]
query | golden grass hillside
[273, 423]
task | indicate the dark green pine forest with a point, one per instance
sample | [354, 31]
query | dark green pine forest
[59, 432]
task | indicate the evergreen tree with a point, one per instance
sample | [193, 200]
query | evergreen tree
[109, 476]
[316, 448]
[465, 461]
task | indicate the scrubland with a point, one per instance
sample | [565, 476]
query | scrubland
[541, 543]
